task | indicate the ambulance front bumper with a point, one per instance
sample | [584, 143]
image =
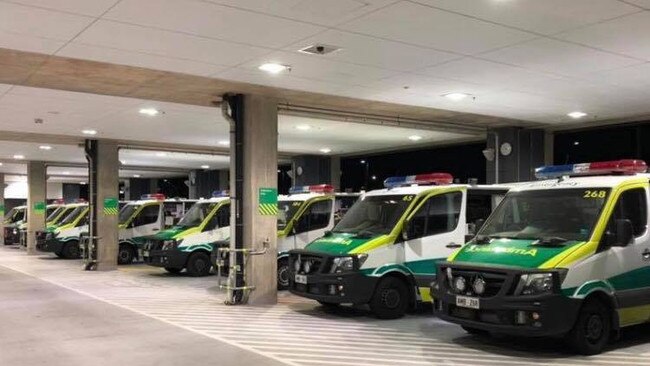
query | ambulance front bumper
[50, 245]
[171, 258]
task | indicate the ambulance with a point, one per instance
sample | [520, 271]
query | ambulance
[304, 215]
[189, 244]
[13, 219]
[140, 219]
[567, 256]
[59, 212]
[64, 239]
[52, 212]
[383, 252]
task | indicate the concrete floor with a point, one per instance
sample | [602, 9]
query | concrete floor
[52, 313]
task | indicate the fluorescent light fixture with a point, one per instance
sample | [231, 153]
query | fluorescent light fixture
[161, 153]
[456, 97]
[303, 127]
[576, 114]
[66, 173]
[415, 138]
[149, 111]
[326, 150]
[19, 156]
[136, 175]
[274, 68]
[45, 147]
[89, 132]
[205, 167]
[224, 142]
[82, 183]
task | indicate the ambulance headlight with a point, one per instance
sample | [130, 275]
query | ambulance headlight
[307, 265]
[460, 284]
[170, 244]
[346, 264]
[535, 284]
[296, 265]
[15, 231]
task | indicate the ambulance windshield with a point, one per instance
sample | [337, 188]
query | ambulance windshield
[126, 212]
[72, 215]
[374, 215]
[562, 214]
[286, 211]
[195, 216]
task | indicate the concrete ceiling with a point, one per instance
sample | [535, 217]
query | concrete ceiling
[524, 60]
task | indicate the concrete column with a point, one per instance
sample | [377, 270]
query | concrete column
[204, 182]
[314, 169]
[260, 151]
[138, 187]
[36, 202]
[192, 192]
[224, 179]
[335, 172]
[3, 209]
[527, 152]
[127, 189]
[71, 192]
[108, 165]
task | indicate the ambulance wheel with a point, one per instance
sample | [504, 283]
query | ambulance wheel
[283, 274]
[475, 331]
[391, 298]
[59, 254]
[173, 270]
[591, 332]
[198, 264]
[125, 254]
[71, 250]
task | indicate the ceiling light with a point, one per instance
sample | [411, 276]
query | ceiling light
[161, 154]
[363, 161]
[66, 173]
[45, 147]
[456, 97]
[205, 167]
[326, 150]
[415, 138]
[576, 114]
[19, 157]
[89, 132]
[576, 143]
[149, 111]
[274, 68]
[136, 175]
[303, 127]
[374, 177]
[1, 164]
[224, 142]
[82, 183]
[123, 162]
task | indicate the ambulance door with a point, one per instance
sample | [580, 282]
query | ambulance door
[218, 228]
[317, 218]
[434, 231]
[148, 221]
[627, 265]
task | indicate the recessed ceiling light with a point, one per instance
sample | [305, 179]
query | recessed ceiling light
[161, 153]
[224, 142]
[374, 177]
[1, 164]
[205, 167]
[19, 157]
[82, 183]
[363, 161]
[136, 175]
[303, 127]
[274, 68]
[415, 138]
[576, 143]
[456, 97]
[576, 114]
[45, 147]
[89, 132]
[326, 150]
[149, 111]
[123, 162]
[66, 173]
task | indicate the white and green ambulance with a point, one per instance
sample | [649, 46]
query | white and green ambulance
[12, 220]
[141, 219]
[189, 244]
[383, 252]
[567, 256]
[64, 239]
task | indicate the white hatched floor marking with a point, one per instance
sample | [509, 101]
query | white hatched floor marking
[294, 332]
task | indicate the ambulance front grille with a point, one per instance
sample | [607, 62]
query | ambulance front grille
[494, 281]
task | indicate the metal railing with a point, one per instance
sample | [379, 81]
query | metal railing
[233, 298]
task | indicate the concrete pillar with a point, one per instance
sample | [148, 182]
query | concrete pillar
[260, 150]
[108, 165]
[126, 187]
[204, 182]
[3, 211]
[36, 202]
[71, 192]
[513, 154]
[335, 172]
[192, 192]
[140, 186]
[315, 169]
[224, 179]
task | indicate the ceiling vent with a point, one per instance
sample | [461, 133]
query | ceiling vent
[319, 49]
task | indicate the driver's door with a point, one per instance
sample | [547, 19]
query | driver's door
[148, 220]
[317, 218]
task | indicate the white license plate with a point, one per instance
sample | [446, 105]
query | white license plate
[302, 279]
[145, 253]
[468, 302]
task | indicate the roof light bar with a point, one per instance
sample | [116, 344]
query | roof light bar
[429, 178]
[217, 194]
[153, 196]
[318, 188]
[625, 166]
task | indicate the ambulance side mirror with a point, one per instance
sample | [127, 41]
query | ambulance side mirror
[624, 233]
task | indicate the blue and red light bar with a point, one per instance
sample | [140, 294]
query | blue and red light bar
[318, 188]
[625, 166]
[153, 196]
[429, 178]
[218, 194]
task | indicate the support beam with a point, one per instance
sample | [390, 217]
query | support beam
[36, 202]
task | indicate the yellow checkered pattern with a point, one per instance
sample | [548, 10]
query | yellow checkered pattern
[268, 209]
[110, 211]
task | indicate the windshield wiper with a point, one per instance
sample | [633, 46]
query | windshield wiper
[550, 241]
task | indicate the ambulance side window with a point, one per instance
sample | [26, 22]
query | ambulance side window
[317, 216]
[221, 218]
[439, 214]
[84, 220]
[631, 206]
[148, 215]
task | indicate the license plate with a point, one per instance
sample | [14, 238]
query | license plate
[145, 253]
[468, 302]
[301, 279]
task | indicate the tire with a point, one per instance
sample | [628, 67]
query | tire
[283, 274]
[391, 298]
[59, 254]
[71, 250]
[198, 264]
[475, 331]
[125, 254]
[173, 270]
[592, 329]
